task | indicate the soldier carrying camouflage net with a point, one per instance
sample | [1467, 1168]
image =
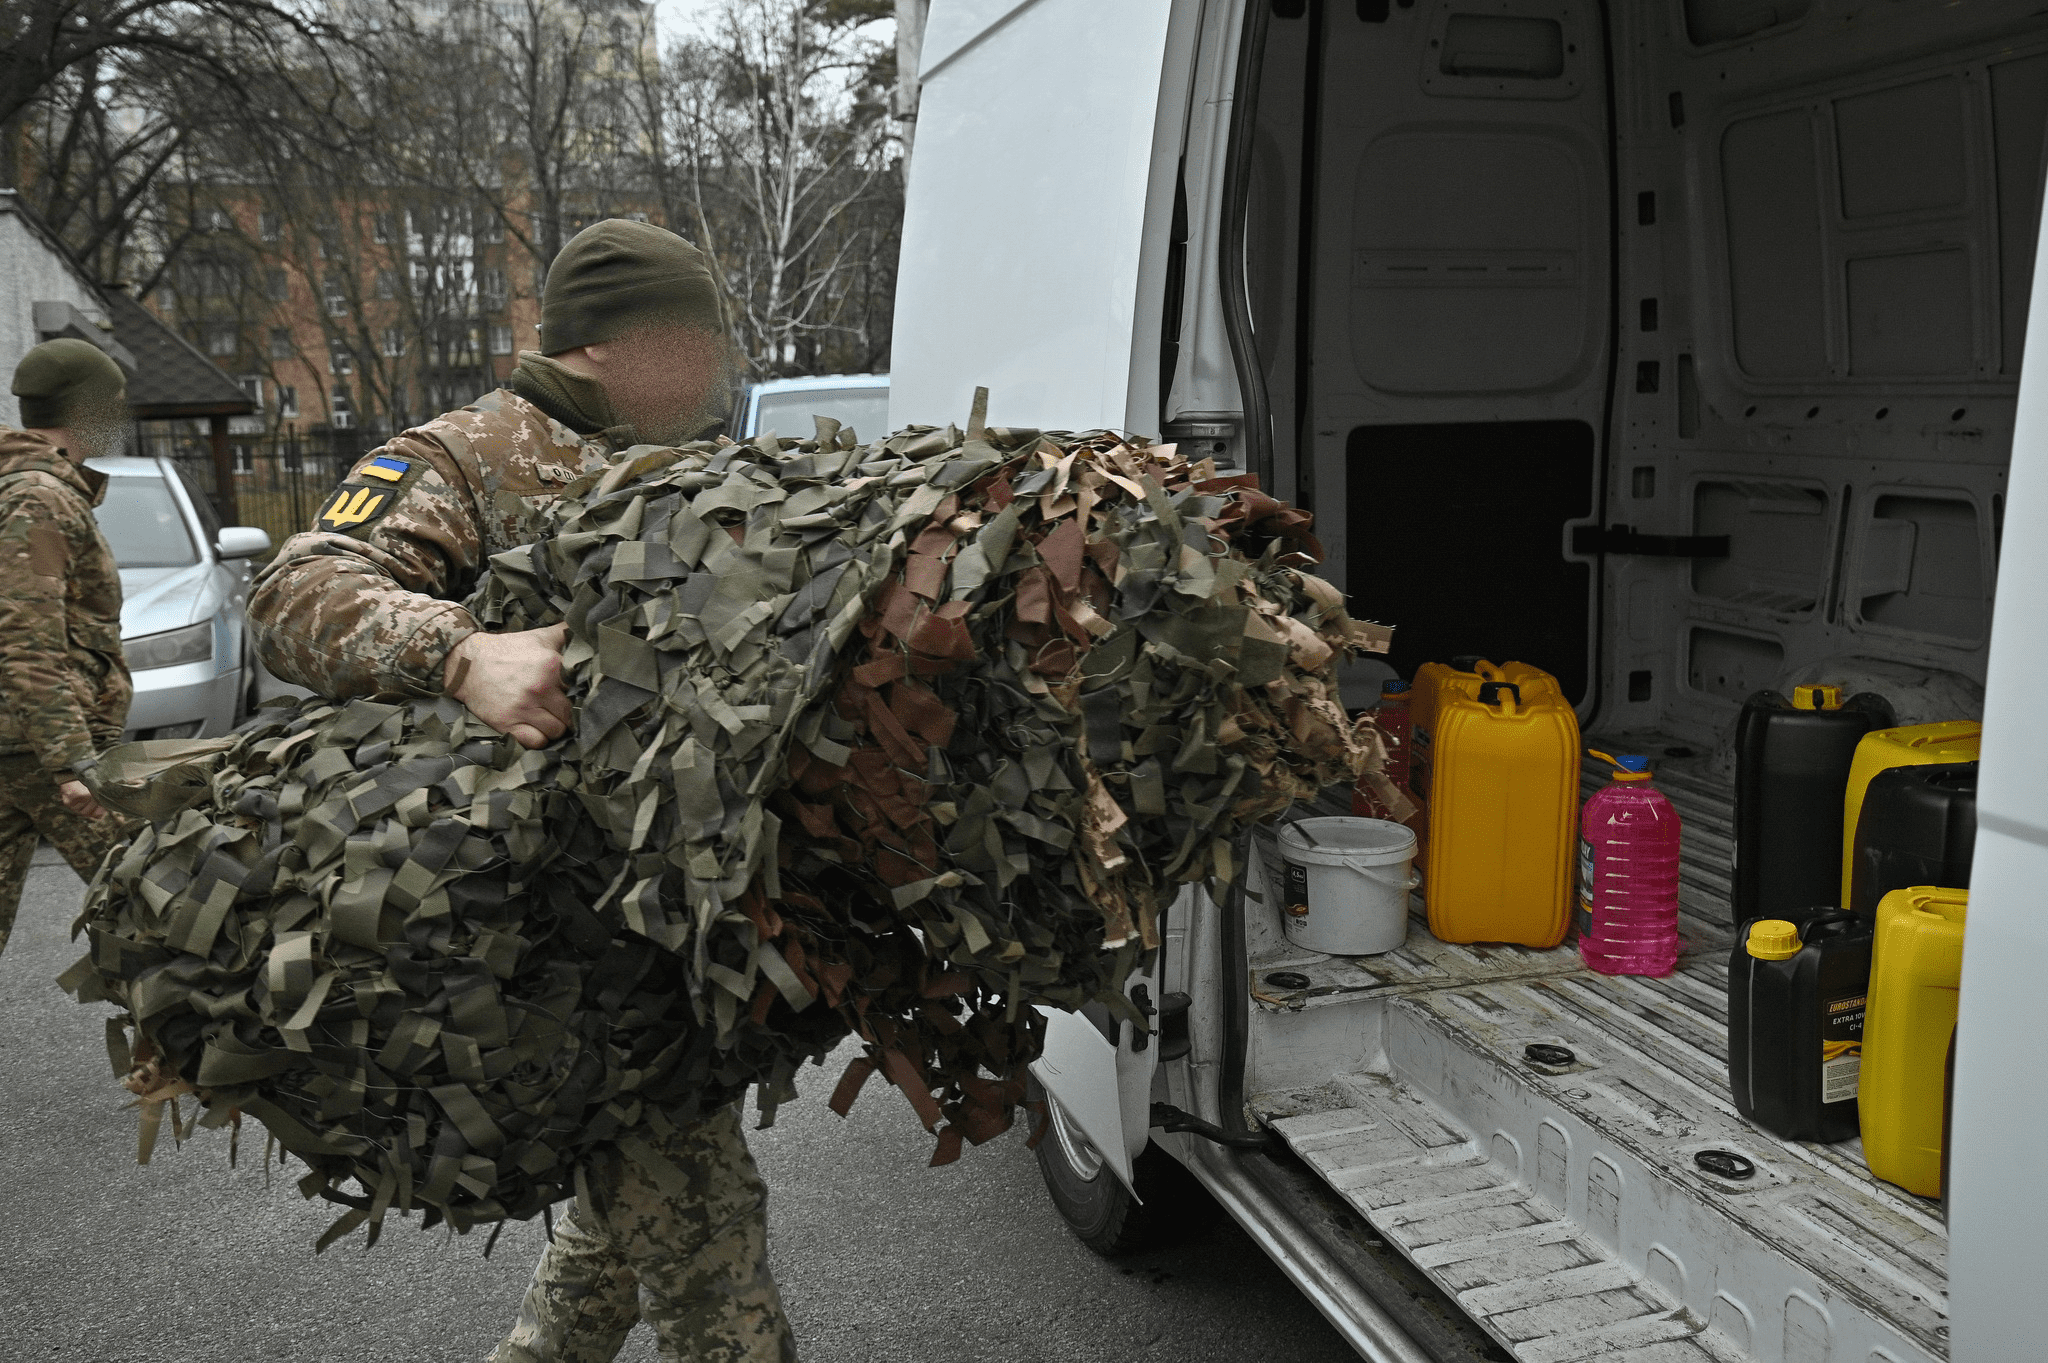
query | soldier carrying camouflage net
[64, 686]
[633, 350]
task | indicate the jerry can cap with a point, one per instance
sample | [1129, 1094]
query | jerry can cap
[1627, 767]
[1773, 939]
[1817, 697]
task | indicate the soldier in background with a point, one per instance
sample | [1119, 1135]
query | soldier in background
[64, 687]
[633, 349]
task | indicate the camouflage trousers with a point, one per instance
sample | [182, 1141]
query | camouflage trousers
[685, 1249]
[29, 809]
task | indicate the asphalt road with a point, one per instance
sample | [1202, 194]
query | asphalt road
[879, 1257]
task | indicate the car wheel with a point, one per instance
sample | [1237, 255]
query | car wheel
[1100, 1210]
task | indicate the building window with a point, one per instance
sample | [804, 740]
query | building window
[636, 217]
[277, 286]
[211, 277]
[422, 278]
[337, 301]
[490, 229]
[280, 343]
[387, 284]
[287, 402]
[342, 415]
[491, 283]
[501, 340]
[339, 358]
[269, 226]
[381, 227]
[218, 220]
[221, 341]
[391, 344]
[252, 384]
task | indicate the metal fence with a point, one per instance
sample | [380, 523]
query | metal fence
[278, 480]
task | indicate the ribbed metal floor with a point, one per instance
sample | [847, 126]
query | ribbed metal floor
[1563, 1206]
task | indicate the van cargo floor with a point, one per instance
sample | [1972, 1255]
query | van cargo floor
[1590, 1207]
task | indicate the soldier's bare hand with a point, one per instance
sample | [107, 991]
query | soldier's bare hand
[513, 682]
[79, 800]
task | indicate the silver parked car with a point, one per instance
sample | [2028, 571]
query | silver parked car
[184, 587]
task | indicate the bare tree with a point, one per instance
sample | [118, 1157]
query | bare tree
[45, 39]
[772, 135]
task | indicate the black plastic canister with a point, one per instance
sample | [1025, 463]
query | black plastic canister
[1918, 827]
[1796, 999]
[1792, 758]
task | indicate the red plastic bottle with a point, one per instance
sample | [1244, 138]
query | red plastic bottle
[1392, 718]
[1628, 875]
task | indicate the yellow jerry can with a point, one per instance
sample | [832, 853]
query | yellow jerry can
[1950, 740]
[1435, 681]
[1916, 973]
[1504, 813]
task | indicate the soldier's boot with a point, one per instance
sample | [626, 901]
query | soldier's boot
[583, 1303]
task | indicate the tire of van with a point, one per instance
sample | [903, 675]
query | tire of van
[1097, 1207]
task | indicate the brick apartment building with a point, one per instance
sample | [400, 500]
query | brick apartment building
[348, 313]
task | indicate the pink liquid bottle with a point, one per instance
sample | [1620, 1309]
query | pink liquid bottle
[1628, 874]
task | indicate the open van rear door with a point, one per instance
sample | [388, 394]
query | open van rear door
[1997, 1200]
[1027, 211]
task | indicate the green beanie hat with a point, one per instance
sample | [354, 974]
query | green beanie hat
[62, 380]
[618, 275]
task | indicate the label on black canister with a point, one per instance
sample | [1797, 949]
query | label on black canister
[1297, 890]
[1841, 1048]
[1584, 916]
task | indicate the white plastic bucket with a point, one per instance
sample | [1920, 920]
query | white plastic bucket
[1345, 884]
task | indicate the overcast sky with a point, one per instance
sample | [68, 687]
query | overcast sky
[675, 16]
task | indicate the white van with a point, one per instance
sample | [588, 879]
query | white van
[1673, 346]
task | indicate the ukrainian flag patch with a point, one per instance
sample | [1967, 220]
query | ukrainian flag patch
[384, 467]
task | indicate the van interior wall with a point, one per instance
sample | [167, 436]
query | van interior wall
[1769, 262]
[1828, 215]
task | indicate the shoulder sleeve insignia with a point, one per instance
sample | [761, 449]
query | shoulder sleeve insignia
[354, 506]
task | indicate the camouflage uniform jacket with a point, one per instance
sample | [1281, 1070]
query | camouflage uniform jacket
[364, 602]
[64, 687]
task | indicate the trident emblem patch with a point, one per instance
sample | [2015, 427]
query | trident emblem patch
[352, 506]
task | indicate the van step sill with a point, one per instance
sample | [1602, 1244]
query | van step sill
[1541, 1286]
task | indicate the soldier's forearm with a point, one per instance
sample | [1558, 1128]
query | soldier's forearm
[338, 627]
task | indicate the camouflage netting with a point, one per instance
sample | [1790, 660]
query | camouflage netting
[892, 741]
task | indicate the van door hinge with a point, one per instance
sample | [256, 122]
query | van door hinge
[1622, 539]
[1141, 1037]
